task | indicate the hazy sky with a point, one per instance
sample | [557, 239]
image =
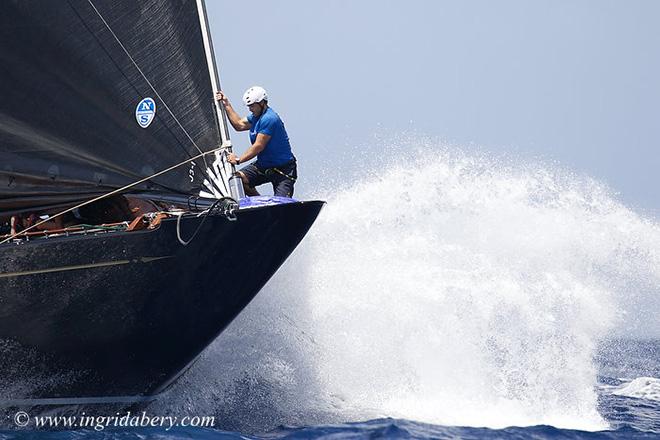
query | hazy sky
[577, 82]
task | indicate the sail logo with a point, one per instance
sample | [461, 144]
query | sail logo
[145, 112]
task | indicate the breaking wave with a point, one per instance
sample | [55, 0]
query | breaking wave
[459, 289]
[640, 388]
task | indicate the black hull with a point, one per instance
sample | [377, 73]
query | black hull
[121, 315]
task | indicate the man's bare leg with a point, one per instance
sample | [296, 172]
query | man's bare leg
[249, 191]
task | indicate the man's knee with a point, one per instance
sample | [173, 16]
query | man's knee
[243, 178]
[249, 190]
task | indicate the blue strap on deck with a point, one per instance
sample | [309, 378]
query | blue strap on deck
[254, 201]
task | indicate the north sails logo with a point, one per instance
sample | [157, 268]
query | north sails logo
[145, 112]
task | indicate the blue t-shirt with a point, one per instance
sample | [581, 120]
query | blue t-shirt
[278, 149]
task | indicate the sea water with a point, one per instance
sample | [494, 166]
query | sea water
[455, 295]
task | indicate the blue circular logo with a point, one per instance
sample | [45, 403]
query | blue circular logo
[145, 112]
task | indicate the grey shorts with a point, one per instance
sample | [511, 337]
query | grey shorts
[282, 177]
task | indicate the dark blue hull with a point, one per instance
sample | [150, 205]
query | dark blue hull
[120, 315]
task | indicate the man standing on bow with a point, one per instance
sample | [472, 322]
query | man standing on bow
[270, 145]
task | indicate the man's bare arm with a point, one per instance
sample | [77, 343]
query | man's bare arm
[256, 148]
[239, 124]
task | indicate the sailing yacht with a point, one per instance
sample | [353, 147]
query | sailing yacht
[129, 245]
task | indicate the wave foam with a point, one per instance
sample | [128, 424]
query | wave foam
[641, 388]
[458, 290]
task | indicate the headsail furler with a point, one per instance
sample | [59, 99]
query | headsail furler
[222, 170]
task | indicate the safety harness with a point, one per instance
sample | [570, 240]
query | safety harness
[269, 171]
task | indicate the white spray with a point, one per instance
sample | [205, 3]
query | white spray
[457, 290]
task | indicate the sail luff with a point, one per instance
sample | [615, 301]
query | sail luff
[213, 71]
[224, 169]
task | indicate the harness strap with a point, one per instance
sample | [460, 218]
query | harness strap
[278, 171]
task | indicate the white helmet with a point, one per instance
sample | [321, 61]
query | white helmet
[254, 94]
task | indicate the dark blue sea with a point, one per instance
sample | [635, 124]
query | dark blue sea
[628, 391]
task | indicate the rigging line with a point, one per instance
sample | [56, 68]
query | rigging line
[112, 193]
[144, 76]
[206, 214]
[128, 80]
